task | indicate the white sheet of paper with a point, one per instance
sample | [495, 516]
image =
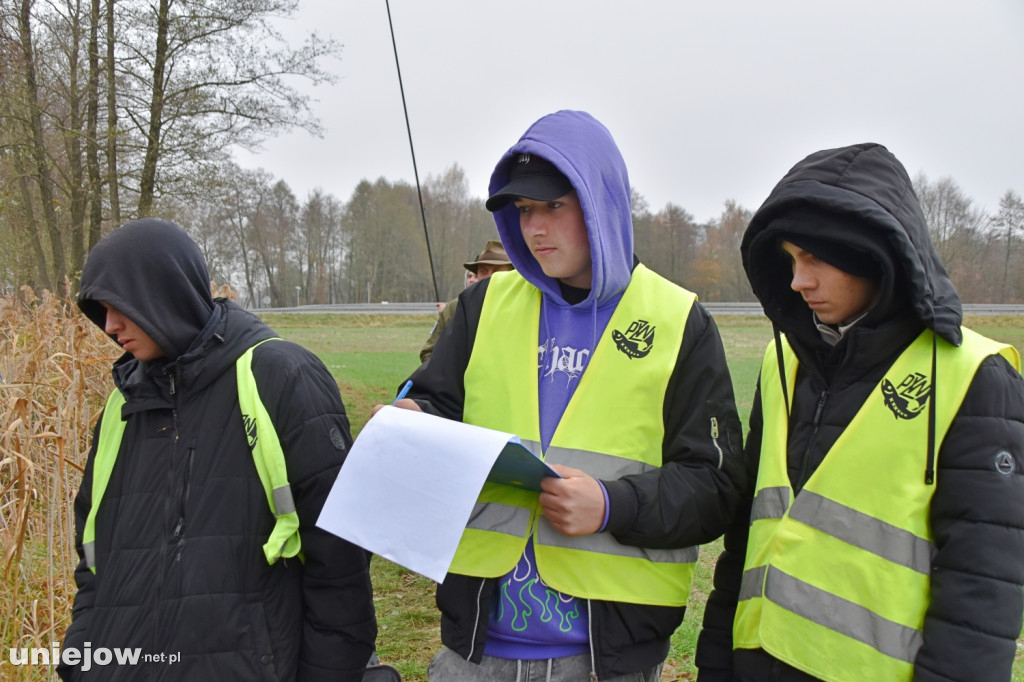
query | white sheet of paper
[408, 486]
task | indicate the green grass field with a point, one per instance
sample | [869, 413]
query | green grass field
[371, 355]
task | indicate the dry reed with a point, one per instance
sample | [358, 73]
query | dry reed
[54, 381]
[55, 367]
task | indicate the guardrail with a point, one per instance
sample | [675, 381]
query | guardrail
[427, 308]
[714, 307]
[993, 309]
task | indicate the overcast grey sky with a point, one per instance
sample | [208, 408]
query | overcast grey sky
[708, 101]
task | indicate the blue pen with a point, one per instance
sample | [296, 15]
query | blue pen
[404, 392]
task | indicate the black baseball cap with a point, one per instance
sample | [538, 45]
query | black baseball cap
[530, 177]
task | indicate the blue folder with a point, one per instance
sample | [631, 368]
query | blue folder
[519, 467]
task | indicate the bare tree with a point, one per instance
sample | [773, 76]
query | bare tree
[385, 252]
[678, 233]
[24, 258]
[645, 240]
[211, 74]
[110, 140]
[718, 274]
[954, 222]
[319, 231]
[1010, 222]
[70, 119]
[92, 153]
[41, 167]
[447, 203]
[240, 200]
[277, 240]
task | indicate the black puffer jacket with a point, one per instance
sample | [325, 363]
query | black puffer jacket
[689, 501]
[977, 512]
[180, 567]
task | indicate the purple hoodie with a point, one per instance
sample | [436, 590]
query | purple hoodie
[530, 620]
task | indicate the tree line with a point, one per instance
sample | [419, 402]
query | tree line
[117, 109]
[108, 107]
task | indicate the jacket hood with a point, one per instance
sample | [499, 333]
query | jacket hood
[869, 206]
[153, 273]
[584, 151]
[230, 332]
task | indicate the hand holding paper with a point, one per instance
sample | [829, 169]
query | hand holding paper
[411, 480]
[573, 504]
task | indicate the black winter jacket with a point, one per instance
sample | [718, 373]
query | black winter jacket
[689, 501]
[977, 512]
[180, 567]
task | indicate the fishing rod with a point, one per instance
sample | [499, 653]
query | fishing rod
[412, 150]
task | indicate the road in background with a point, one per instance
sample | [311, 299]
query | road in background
[714, 308]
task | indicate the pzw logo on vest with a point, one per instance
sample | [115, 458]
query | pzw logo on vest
[250, 430]
[638, 339]
[909, 399]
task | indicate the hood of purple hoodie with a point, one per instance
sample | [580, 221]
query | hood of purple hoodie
[582, 149]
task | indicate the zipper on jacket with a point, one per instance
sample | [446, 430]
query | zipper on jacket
[815, 424]
[183, 497]
[714, 440]
[171, 374]
[157, 630]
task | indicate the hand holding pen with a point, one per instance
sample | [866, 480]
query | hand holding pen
[404, 392]
[400, 400]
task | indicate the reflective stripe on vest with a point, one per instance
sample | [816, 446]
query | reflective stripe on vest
[836, 580]
[267, 455]
[612, 427]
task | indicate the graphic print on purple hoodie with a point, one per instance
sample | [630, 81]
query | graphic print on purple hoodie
[531, 620]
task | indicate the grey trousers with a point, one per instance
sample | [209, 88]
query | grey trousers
[448, 666]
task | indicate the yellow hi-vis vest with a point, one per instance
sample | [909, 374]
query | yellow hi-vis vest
[836, 581]
[612, 427]
[267, 454]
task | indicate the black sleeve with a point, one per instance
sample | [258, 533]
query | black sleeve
[340, 627]
[977, 518]
[692, 498]
[714, 644]
[437, 385]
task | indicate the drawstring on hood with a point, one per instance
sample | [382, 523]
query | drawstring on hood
[929, 470]
[861, 198]
[782, 366]
[153, 273]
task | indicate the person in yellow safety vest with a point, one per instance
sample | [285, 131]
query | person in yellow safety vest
[885, 533]
[489, 261]
[187, 556]
[616, 376]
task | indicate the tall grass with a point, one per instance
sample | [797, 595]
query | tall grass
[55, 366]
